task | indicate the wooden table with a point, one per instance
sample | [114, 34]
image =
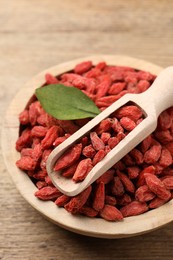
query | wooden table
[37, 34]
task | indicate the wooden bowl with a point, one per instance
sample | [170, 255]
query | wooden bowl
[83, 225]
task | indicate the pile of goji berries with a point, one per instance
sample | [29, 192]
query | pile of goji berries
[141, 181]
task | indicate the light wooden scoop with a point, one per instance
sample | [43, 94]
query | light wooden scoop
[153, 101]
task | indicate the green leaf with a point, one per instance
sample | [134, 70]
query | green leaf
[66, 103]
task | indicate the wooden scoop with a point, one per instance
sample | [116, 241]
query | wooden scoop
[152, 102]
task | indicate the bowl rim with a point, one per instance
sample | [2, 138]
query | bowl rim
[93, 227]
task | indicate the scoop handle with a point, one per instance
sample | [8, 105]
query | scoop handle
[161, 91]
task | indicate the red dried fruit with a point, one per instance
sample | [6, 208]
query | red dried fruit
[24, 140]
[164, 136]
[26, 163]
[168, 182]
[83, 168]
[142, 85]
[134, 208]
[88, 211]
[39, 131]
[157, 202]
[103, 87]
[88, 151]
[164, 120]
[111, 213]
[98, 157]
[116, 88]
[48, 193]
[41, 184]
[105, 137]
[50, 137]
[127, 123]
[62, 200]
[44, 159]
[110, 200]
[50, 79]
[157, 186]
[132, 112]
[106, 101]
[106, 177]
[97, 143]
[145, 144]
[69, 157]
[104, 126]
[83, 67]
[34, 112]
[123, 200]
[133, 172]
[165, 158]
[60, 139]
[112, 142]
[117, 188]
[69, 172]
[99, 198]
[128, 184]
[169, 146]
[143, 194]
[153, 154]
[141, 179]
[116, 126]
[68, 126]
[137, 155]
[40, 175]
[77, 202]
[24, 117]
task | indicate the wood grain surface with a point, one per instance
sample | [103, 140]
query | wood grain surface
[37, 34]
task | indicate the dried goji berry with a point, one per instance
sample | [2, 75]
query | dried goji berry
[39, 131]
[69, 157]
[69, 171]
[157, 186]
[143, 194]
[133, 172]
[83, 67]
[116, 88]
[88, 211]
[123, 200]
[97, 143]
[132, 112]
[127, 123]
[99, 156]
[117, 188]
[88, 151]
[48, 193]
[165, 158]
[83, 168]
[26, 163]
[24, 140]
[62, 200]
[111, 213]
[50, 79]
[157, 202]
[134, 208]
[106, 177]
[99, 197]
[24, 117]
[168, 182]
[152, 155]
[128, 184]
[77, 202]
[110, 200]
